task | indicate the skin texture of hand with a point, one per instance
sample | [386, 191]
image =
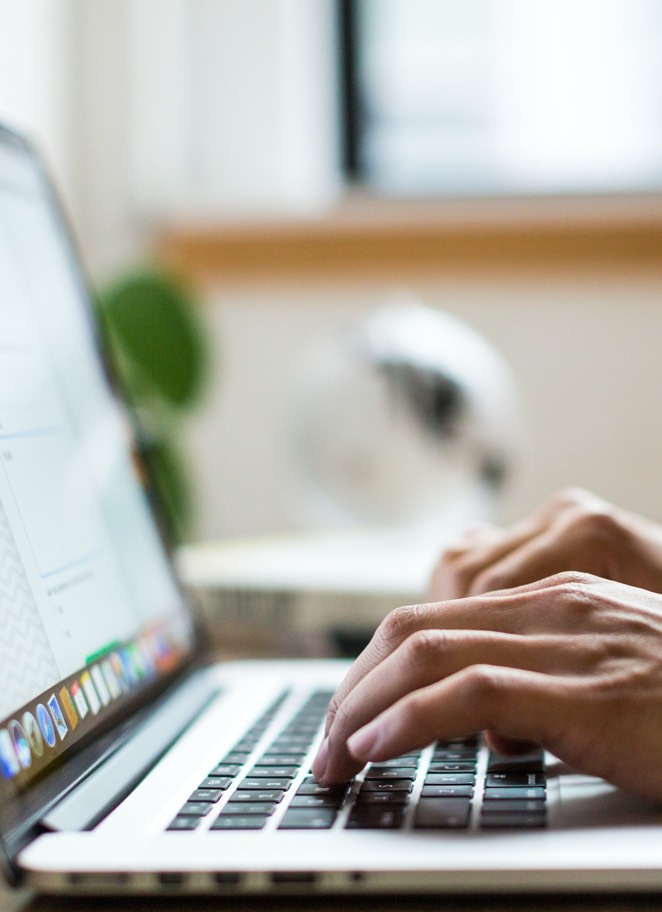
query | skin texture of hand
[573, 530]
[572, 663]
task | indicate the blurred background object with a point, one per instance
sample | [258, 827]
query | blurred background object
[152, 322]
[407, 418]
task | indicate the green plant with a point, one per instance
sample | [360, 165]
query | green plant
[158, 347]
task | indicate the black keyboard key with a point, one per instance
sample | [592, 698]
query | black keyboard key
[215, 782]
[371, 817]
[241, 808]
[257, 795]
[225, 769]
[387, 785]
[232, 822]
[498, 780]
[288, 750]
[308, 819]
[405, 760]
[235, 758]
[533, 805]
[195, 809]
[534, 820]
[533, 762]
[212, 795]
[280, 759]
[444, 755]
[502, 794]
[382, 797]
[452, 766]
[184, 823]
[447, 791]
[450, 779]
[315, 801]
[253, 782]
[273, 772]
[310, 787]
[392, 772]
[442, 813]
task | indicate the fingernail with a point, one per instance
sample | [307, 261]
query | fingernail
[363, 742]
[321, 760]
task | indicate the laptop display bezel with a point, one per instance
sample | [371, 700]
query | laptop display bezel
[20, 814]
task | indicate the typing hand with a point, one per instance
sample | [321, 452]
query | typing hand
[571, 663]
[573, 530]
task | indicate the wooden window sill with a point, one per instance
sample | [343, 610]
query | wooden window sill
[368, 238]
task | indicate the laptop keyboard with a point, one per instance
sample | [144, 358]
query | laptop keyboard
[452, 785]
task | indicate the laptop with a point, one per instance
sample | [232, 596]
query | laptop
[128, 763]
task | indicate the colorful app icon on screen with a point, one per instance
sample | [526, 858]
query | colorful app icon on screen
[110, 678]
[9, 765]
[100, 684]
[33, 734]
[69, 708]
[120, 672]
[20, 742]
[58, 718]
[46, 726]
[90, 692]
[79, 699]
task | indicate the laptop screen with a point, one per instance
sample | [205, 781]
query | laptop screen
[90, 614]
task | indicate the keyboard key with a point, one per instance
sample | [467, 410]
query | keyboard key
[206, 795]
[393, 772]
[314, 801]
[496, 780]
[184, 823]
[240, 808]
[215, 782]
[369, 817]
[236, 759]
[450, 779]
[502, 794]
[382, 797]
[447, 791]
[308, 819]
[195, 809]
[273, 772]
[522, 807]
[442, 813]
[387, 785]
[280, 759]
[253, 782]
[517, 819]
[310, 787]
[256, 795]
[232, 822]
[533, 762]
[405, 760]
[225, 769]
[288, 750]
[452, 755]
[452, 766]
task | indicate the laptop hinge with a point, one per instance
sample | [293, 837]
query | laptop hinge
[103, 789]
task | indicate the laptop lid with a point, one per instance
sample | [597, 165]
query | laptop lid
[92, 622]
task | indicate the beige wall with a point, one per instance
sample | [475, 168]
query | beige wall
[585, 352]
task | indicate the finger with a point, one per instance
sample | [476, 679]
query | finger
[458, 566]
[539, 558]
[518, 705]
[428, 657]
[509, 611]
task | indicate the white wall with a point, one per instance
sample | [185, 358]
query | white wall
[585, 353]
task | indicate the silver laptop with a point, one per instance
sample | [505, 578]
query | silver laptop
[129, 765]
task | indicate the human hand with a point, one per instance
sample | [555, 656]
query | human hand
[573, 530]
[571, 663]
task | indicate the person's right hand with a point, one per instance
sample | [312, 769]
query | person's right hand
[572, 531]
[570, 663]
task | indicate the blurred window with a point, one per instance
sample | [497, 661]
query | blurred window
[504, 97]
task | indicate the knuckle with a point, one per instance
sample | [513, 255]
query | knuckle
[423, 647]
[399, 624]
[484, 683]
[595, 525]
